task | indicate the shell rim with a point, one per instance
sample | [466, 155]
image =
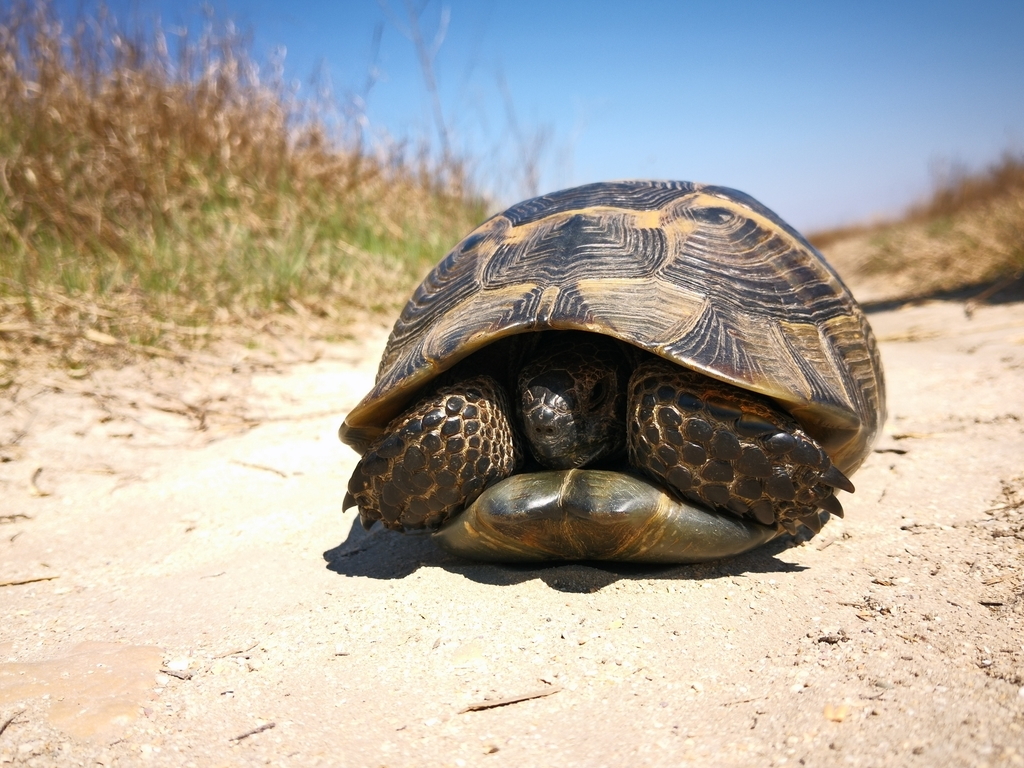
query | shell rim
[375, 410]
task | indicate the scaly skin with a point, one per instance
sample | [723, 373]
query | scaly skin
[711, 443]
[727, 448]
[572, 400]
[436, 457]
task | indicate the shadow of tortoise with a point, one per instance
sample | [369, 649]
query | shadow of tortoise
[382, 554]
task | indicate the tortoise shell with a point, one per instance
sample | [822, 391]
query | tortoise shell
[703, 276]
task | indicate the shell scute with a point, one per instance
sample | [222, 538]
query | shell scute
[587, 244]
[629, 195]
[704, 276]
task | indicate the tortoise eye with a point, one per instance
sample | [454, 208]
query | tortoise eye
[598, 395]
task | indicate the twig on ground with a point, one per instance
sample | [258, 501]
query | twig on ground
[972, 303]
[19, 582]
[13, 518]
[260, 466]
[235, 653]
[1004, 507]
[254, 731]
[510, 700]
[10, 720]
[181, 675]
[738, 701]
[34, 489]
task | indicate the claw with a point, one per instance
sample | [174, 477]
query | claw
[812, 521]
[836, 479]
[831, 505]
[365, 520]
[790, 526]
[350, 501]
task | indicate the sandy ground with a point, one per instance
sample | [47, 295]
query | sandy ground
[179, 586]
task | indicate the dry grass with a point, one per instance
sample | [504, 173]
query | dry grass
[149, 185]
[970, 232]
[963, 190]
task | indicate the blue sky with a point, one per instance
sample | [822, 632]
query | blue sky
[828, 113]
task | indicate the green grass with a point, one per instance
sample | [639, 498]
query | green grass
[140, 193]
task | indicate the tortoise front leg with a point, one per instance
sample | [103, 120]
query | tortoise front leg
[727, 448]
[436, 457]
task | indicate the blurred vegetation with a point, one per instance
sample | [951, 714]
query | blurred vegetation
[153, 184]
[969, 233]
[157, 188]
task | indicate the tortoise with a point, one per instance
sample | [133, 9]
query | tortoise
[659, 371]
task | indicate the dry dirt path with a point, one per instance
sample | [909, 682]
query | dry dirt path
[180, 587]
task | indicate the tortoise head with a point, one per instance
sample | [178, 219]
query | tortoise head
[572, 400]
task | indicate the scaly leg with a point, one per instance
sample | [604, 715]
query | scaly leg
[728, 449]
[437, 457]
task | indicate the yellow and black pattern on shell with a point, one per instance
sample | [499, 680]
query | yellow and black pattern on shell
[704, 276]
